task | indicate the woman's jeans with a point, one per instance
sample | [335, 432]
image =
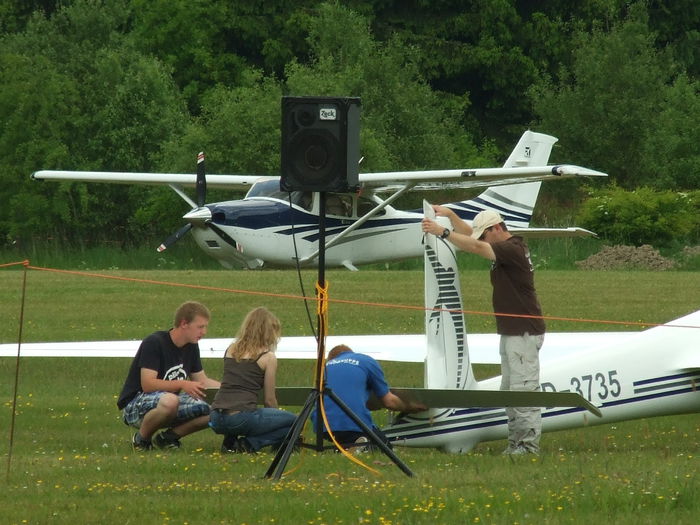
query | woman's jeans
[261, 427]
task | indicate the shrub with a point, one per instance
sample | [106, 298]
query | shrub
[643, 216]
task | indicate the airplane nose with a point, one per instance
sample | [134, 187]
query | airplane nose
[198, 215]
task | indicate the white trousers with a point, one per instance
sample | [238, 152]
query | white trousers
[520, 368]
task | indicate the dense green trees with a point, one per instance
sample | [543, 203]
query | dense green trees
[625, 107]
[143, 85]
[76, 94]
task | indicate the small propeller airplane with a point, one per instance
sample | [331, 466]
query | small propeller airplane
[273, 228]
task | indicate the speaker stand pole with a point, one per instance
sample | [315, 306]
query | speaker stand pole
[276, 468]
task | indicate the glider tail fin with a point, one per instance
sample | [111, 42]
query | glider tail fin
[447, 362]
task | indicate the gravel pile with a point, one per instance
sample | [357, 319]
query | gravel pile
[622, 257]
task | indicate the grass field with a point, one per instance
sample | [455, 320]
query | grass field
[71, 462]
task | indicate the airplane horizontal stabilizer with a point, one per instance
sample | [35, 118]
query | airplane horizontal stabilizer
[447, 398]
[492, 398]
[550, 233]
[286, 395]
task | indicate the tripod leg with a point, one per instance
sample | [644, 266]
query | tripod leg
[372, 435]
[285, 450]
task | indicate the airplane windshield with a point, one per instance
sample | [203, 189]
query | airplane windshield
[264, 188]
[338, 204]
[271, 189]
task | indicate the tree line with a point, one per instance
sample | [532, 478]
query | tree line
[143, 85]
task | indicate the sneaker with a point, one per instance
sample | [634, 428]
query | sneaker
[361, 445]
[519, 451]
[230, 445]
[236, 445]
[244, 447]
[167, 440]
[139, 444]
[295, 448]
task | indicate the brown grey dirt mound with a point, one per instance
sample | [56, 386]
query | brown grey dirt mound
[622, 257]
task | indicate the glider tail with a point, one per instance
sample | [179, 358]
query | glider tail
[447, 361]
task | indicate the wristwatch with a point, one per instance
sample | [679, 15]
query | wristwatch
[445, 233]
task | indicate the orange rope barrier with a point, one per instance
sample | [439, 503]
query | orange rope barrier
[325, 299]
[25, 263]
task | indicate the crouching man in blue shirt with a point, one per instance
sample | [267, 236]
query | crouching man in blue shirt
[353, 378]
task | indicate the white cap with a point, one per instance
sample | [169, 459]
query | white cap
[483, 220]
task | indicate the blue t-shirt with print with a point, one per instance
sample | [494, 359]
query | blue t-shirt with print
[352, 377]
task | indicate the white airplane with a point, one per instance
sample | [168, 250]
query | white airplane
[273, 228]
[650, 373]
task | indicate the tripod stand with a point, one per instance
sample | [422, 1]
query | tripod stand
[279, 463]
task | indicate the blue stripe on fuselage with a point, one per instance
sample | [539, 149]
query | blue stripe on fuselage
[466, 211]
[258, 214]
[482, 418]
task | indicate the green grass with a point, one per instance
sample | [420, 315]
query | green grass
[71, 462]
[128, 303]
[550, 254]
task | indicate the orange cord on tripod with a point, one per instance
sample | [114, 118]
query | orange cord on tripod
[322, 311]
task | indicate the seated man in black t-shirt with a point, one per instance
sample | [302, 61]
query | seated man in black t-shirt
[165, 386]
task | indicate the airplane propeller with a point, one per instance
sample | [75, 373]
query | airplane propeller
[201, 181]
[201, 187]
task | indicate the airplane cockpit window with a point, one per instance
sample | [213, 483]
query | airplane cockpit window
[302, 199]
[271, 189]
[365, 205]
[339, 204]
[264, 188]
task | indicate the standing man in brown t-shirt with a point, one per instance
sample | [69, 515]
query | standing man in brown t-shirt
[518, 313]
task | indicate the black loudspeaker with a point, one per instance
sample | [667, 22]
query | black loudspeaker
[320, 144]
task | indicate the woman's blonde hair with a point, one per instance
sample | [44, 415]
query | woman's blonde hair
[259, 332]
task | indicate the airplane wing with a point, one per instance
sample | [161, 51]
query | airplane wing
[298, 395]
[225, 182]
[547, 233]
[422, 180]
[407, 348]
[471, 178]
[488, 398]
[286, 396]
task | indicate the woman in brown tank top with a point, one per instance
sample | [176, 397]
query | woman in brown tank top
[250, 367]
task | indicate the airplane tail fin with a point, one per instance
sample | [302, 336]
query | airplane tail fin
[447, 363]
[533, 149]
[515, 202]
